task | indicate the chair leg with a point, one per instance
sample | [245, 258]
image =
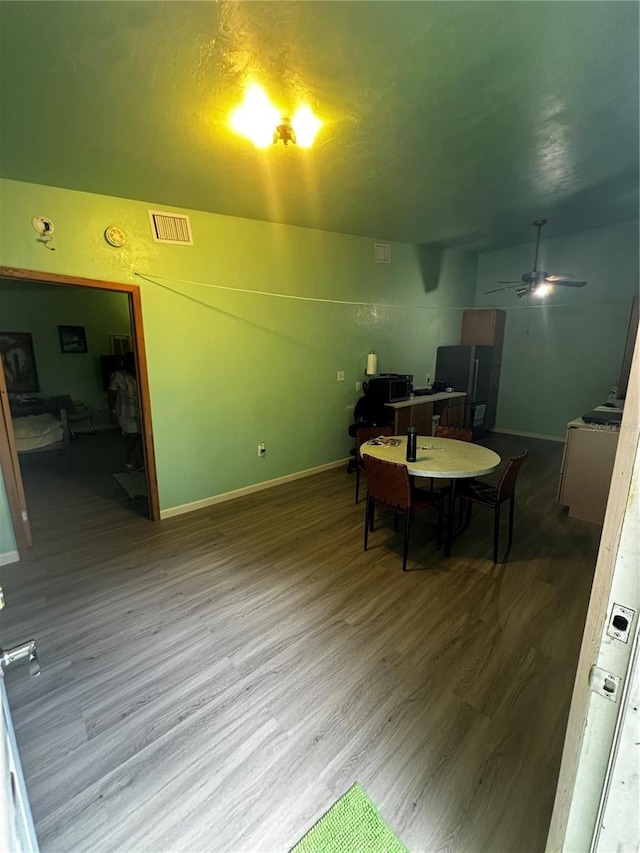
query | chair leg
[496, 531]
[357, 483]
[372, 513]
[405, 550]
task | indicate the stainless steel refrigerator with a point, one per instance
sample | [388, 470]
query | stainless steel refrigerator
[468, 369]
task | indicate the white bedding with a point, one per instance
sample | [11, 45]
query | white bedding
[35, 431]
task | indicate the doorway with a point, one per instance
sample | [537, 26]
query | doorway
[76, 396]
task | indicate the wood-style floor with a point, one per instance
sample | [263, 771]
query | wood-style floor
[215, 682]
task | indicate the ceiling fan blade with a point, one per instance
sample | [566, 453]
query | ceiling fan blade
[571, 283]
[498, 289]
[563, 276]
[512, 281]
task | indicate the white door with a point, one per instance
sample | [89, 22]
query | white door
[17, 833]
[595, 807]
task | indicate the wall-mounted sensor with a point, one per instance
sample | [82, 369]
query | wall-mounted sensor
[44, 227]
[115, 236]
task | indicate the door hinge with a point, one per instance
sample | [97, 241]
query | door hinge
[25, 517]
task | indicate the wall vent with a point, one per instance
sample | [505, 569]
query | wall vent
[170, 228]
[382, 253]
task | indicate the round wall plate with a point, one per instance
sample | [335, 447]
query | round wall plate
[115, 236]
[42, 225]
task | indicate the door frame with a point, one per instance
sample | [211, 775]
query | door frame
[620, 502]
[8, 454]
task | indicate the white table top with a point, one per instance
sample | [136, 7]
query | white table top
[443, 458]
[425, 398]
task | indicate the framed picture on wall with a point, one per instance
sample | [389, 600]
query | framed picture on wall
[19, 362]
[73, 339]
[120, 344]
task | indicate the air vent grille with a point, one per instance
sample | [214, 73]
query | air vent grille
[170, 228]
[382, 253]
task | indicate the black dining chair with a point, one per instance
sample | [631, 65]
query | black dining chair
[476, 492]
[364, 434]
[389, 483]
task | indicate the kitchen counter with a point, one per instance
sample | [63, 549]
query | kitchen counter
[426, 398]
[448, 406]
[587, 466]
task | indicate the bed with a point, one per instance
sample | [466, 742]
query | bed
[41, 424]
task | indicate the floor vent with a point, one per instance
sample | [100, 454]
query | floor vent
[170, 228]
[382, 253]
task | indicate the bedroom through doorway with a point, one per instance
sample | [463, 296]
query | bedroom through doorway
[63, 346]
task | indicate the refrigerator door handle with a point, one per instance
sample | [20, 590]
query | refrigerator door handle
[476, 367]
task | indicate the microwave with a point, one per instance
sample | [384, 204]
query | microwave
[389, 389]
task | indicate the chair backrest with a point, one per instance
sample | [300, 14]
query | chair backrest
[388, 482]
[458, 433]
[366, 433]
[507, 485]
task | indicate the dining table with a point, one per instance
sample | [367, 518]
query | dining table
[437, 458]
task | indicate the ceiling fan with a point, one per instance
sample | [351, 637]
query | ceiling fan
[537, 282]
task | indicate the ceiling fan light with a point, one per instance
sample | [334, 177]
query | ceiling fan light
[256, 117]
[306, 125]
[542, 290]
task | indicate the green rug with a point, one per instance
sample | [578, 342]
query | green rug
[352, 825]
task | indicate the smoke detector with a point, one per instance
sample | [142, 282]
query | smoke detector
[115, 236]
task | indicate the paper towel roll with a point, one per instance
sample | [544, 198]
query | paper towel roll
[372, 364]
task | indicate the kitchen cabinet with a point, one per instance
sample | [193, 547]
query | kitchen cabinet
[419, 412]
[587, 467]
[485, 326]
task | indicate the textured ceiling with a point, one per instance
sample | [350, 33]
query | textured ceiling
[445, 122]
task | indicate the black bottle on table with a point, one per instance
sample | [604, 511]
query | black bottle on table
[412, 443]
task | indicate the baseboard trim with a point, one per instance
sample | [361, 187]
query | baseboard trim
[249, 490]
[9, 557]
[530, 434]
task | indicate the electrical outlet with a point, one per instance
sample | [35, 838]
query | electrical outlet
[358, 386]
[262, 449]
[428, 380]
[341, 376]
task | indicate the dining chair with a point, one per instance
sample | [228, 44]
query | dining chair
[476, 492]
[389, 483]
[362, 435]
[457, 433]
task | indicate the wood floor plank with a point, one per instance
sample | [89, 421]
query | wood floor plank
[216, 682]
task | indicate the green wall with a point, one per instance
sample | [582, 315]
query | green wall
[229, 369]
[40, 309]
[560, 360]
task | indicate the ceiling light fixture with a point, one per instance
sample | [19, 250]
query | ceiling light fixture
[258, 120]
